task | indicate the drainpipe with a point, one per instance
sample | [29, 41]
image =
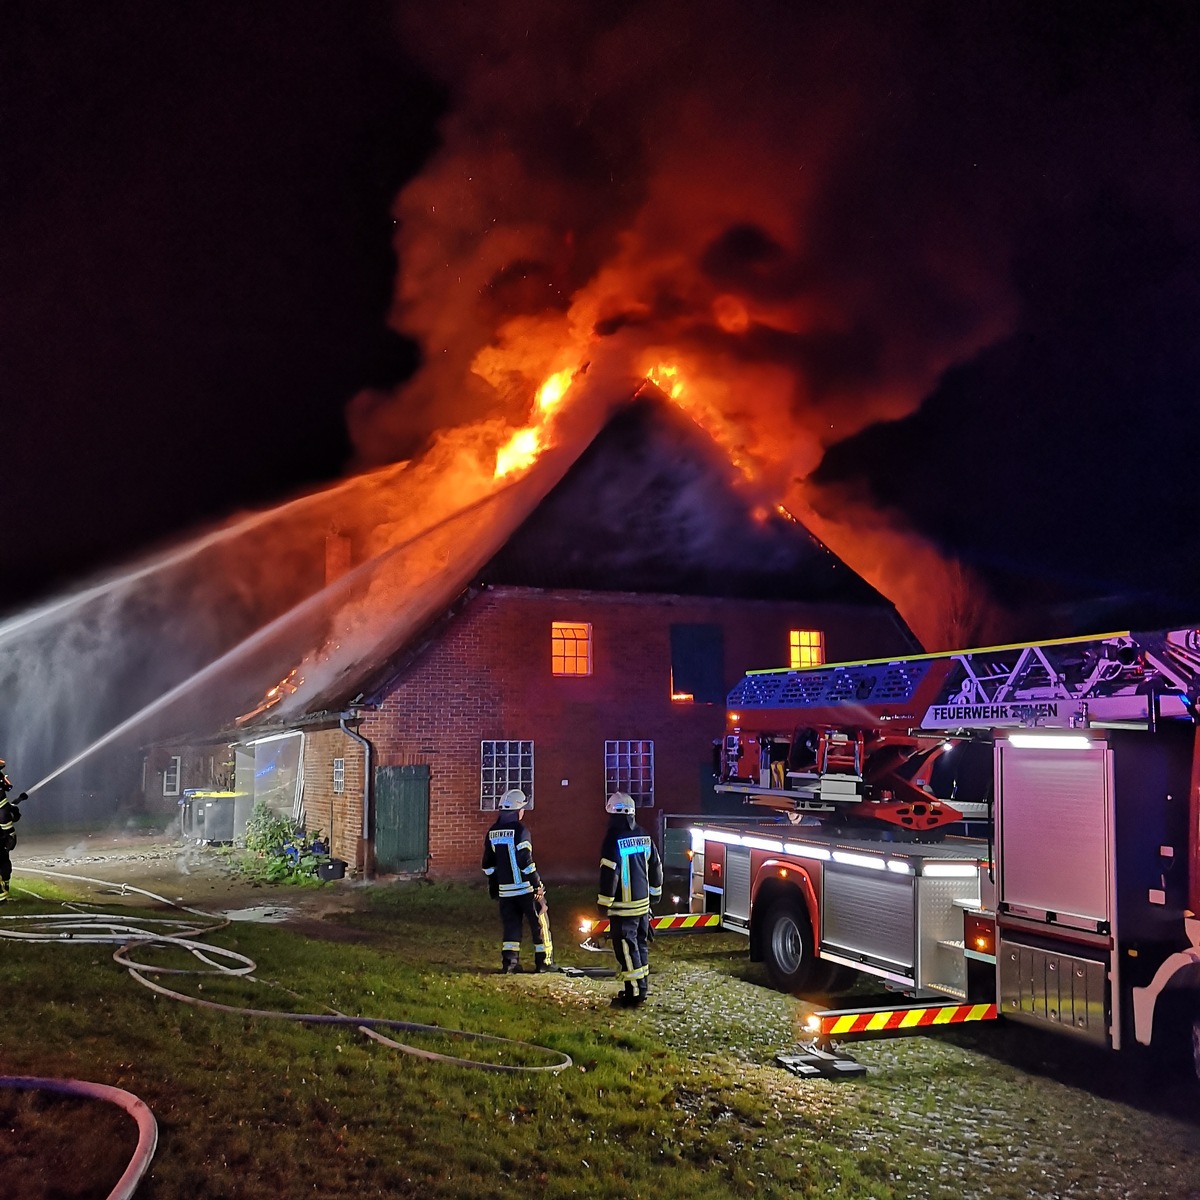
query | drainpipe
[366, 821]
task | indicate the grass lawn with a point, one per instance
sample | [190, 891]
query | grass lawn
[680, 1098]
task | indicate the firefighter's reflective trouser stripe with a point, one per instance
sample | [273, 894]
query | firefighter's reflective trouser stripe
[631, 943]
[515, 912]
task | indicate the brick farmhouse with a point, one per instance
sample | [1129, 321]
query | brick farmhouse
[594, 650]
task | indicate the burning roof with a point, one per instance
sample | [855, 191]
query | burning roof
[648, 504]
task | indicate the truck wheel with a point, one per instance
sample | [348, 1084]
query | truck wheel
[788, 945]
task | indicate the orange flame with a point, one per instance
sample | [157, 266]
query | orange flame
[526, 445]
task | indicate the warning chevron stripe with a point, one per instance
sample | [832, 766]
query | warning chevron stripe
[834, 1024]
[671, 923]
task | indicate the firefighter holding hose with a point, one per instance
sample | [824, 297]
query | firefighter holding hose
[631, 878]
[10, 814]
[514, 881]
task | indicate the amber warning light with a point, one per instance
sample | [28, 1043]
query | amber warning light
[979, 936]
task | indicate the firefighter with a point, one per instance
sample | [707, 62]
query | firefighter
[631, 877]
[10, 814]
[514, 881]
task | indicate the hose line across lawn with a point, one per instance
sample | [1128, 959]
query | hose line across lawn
[114, 929]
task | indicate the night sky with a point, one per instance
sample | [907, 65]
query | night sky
[198, 255]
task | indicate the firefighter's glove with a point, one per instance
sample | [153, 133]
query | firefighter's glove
[13, 811]
[10, 841]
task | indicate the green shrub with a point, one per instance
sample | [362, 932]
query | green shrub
[280, 851]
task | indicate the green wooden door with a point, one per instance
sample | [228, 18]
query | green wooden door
[401, 819]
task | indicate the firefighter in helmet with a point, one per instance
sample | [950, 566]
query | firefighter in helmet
[514, 881]
[10, 814]
[631, 878]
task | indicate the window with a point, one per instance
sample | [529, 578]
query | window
[806, 648]
[629, 767]
[697, 664]
[570, 648]
[339, 775]
[504, 765]
[171, 775]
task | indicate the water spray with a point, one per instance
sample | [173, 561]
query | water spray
[312, 604]
[65, 605]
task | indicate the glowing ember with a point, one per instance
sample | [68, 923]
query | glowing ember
[287, 686]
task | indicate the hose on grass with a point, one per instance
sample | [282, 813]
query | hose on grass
[109, 928]
[91, 928]
[147, 1141]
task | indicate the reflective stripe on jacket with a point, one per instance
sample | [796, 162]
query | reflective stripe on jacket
[508, 855]
[631, 873]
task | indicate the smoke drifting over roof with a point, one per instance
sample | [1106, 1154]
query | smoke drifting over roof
[812, 213]
[767, 194]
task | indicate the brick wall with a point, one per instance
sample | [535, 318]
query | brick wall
[326, 810]
[488, 677]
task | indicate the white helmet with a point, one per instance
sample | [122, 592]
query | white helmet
[513, 798]
[619, 802]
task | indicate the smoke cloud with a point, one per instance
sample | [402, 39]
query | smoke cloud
[766, 198]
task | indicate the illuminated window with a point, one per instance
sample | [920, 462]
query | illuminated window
[570, 648]
[629, 767]
[171, 776]
[504, 765]
[806, 648]
[339, 775]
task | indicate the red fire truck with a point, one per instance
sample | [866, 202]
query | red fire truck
[1011, 831]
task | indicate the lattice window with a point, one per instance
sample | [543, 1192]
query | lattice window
[806, 648]
[339, 775]
[629, 767]
[570, 648]
[504, 765]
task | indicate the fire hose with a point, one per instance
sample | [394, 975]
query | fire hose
[147, 1126]
[129, 935]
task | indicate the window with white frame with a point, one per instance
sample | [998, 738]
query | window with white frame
[806, 648]
[171, 775]
[629, 767]
[339, 775]
[570, 648]
[504, 765]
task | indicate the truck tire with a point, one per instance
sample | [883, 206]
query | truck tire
[787, 943]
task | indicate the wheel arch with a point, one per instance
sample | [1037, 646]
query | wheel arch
[775, 878]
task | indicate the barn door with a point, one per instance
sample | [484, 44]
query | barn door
[401, 819]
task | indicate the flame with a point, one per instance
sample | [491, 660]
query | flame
[554, 389]
[289, 685]
[525, 446]
[666, 377]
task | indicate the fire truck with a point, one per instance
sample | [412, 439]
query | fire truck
[1004, 832]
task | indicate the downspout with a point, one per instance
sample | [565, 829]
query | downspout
[362, 741]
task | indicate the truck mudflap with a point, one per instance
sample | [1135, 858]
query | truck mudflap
[889, 1021]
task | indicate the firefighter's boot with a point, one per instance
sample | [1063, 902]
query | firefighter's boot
[3, 890]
